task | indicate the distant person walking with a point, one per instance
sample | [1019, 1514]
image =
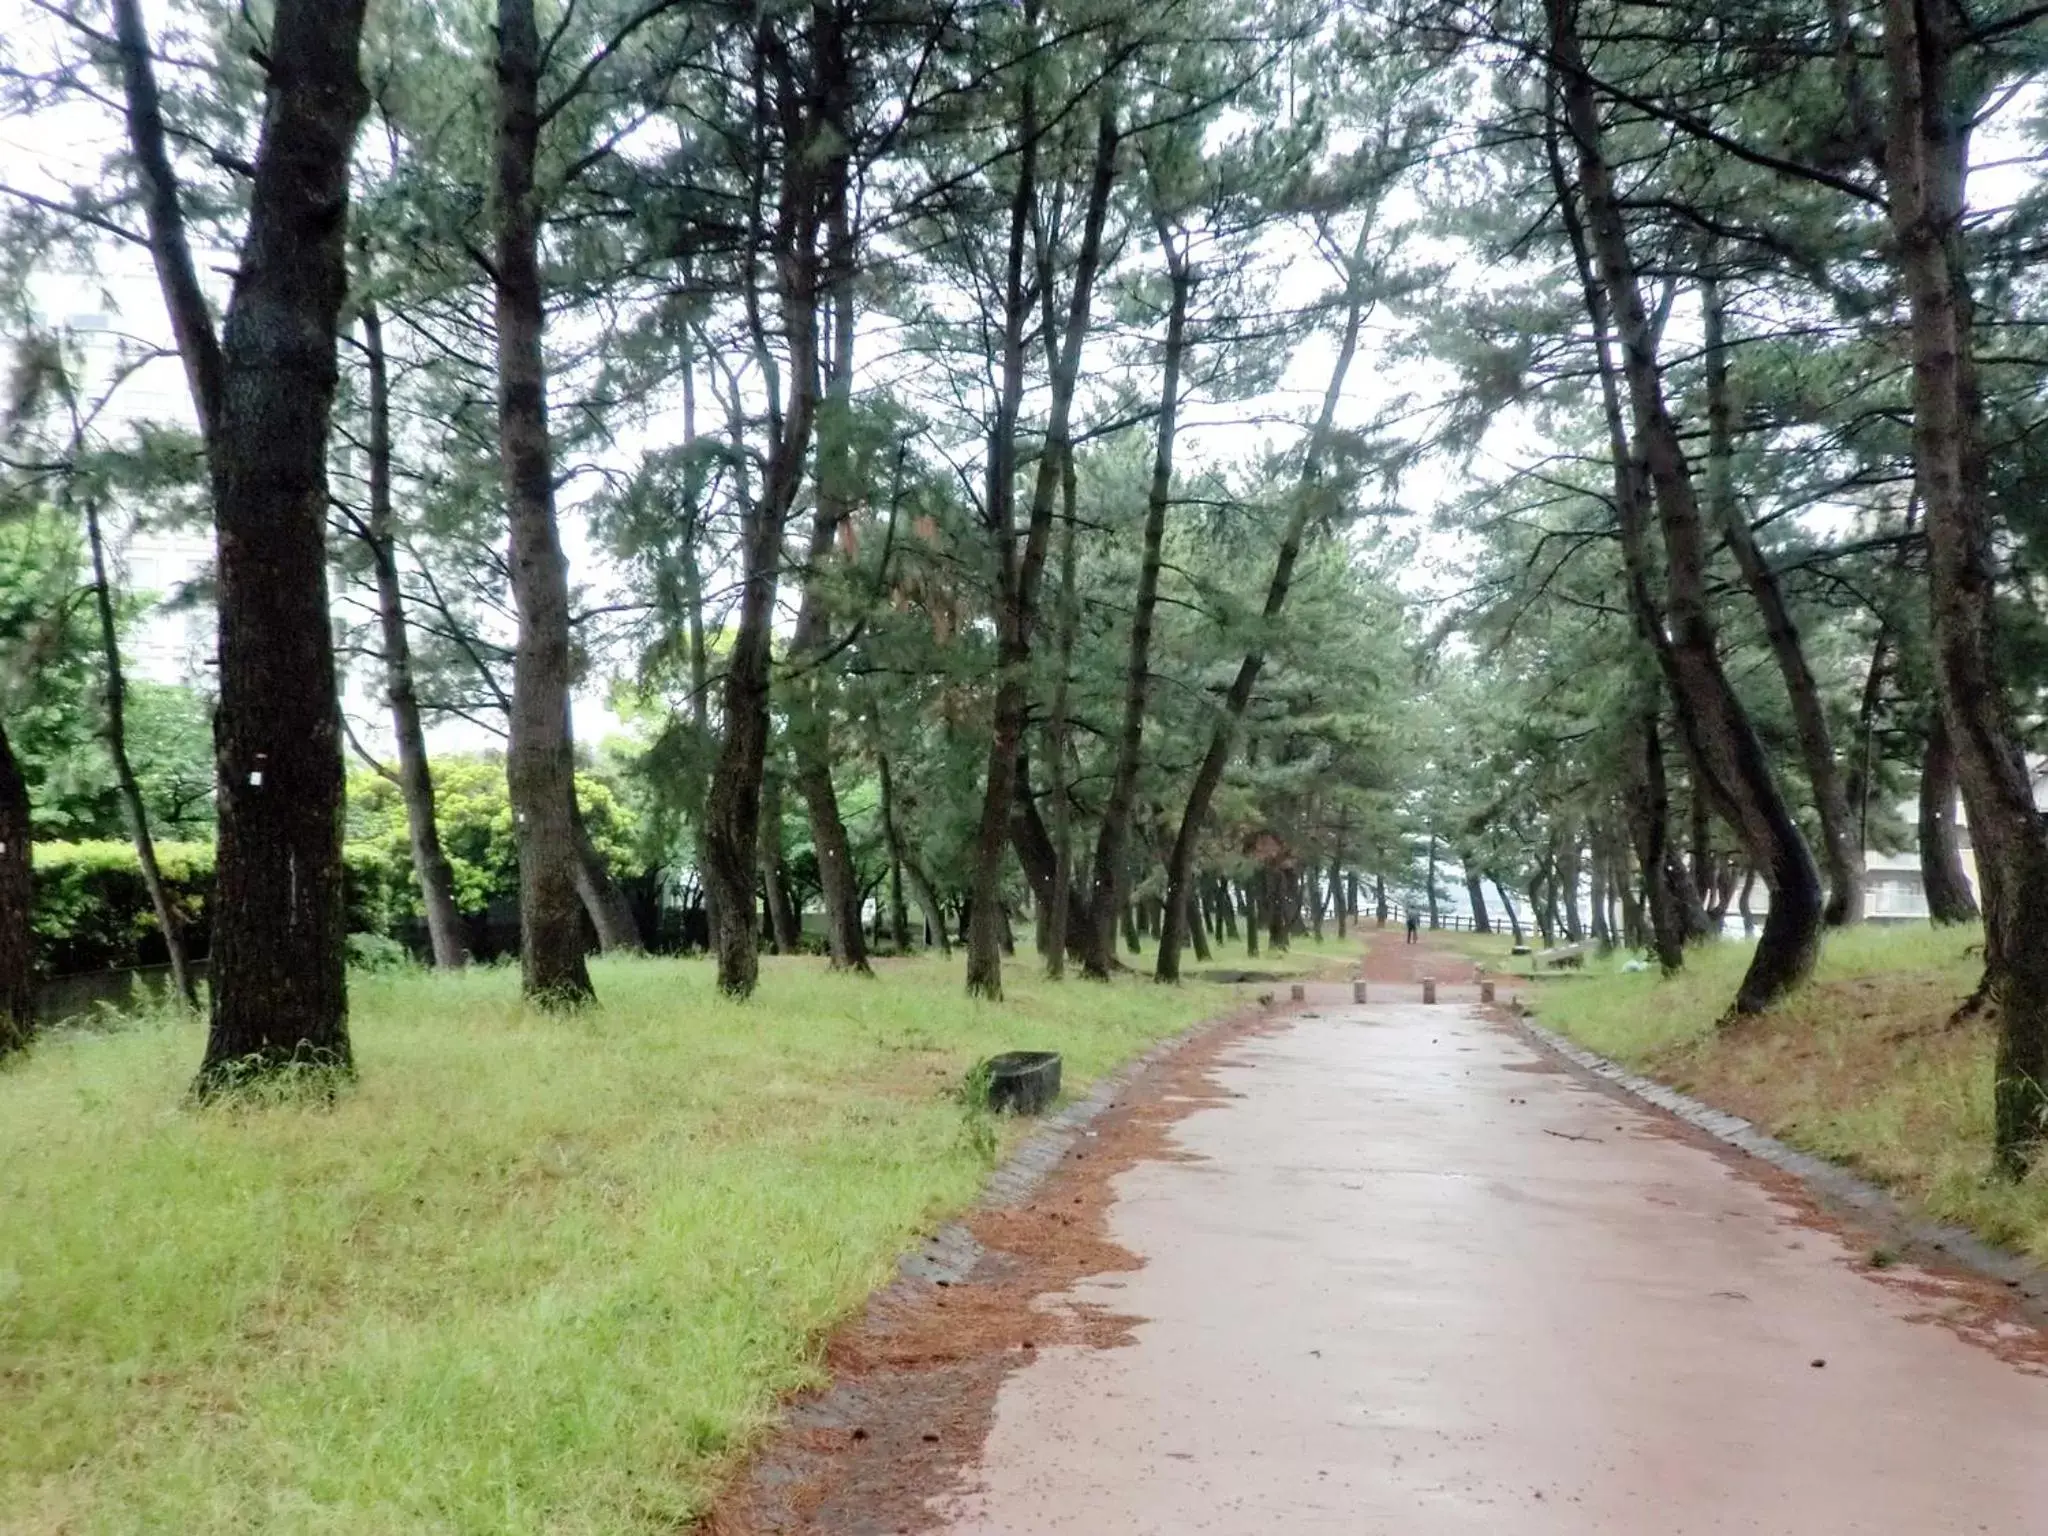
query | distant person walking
[1414, 925]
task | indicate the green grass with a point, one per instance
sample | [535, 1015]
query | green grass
[1861, 1066]
[530, 1274]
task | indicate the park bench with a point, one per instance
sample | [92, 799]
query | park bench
[1566, 957]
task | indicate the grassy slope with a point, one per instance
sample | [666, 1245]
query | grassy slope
[1862, 1066]
[530, 1275]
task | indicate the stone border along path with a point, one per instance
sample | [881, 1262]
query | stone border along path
[1829, 1181]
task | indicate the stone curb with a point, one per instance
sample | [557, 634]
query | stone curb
[949, 1255]
[1833, 1183]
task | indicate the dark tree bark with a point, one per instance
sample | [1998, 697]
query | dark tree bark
[1113, 830]
[892, 839]
[168, 922]
[1947, 886]
[1596, 875]
[1250, 890]
[1841, 850]
[1310, 499]
[445, 936]
[1019, 572]
[1379, 898]
[1932, 105]
[1476, 895]
[17, 900]
[540, 760]
[279, 994]
[1508, 904]
[1721, 743]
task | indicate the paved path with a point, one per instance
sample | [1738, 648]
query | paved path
[1394, 1294]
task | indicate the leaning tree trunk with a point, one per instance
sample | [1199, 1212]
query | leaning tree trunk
[1927, 160]
[1310, 498]
[445, 936]
[540, 760]
[1476, 895]
[1721, 742]
[168, 921]
[1947, 886]
[279, 990]
[17, 900]
[1017, 607]
[1841, 848]
[604, 903]
[1113, 831]
[1508, 902]
[1646, 800]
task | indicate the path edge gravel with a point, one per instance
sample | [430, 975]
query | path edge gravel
[1830, 1182]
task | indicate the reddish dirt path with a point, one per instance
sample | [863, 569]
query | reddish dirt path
[1390, 958]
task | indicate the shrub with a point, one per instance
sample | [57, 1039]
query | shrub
[92, 910]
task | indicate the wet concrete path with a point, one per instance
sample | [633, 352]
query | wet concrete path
[1416, 1282]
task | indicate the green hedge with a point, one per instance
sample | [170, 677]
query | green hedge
[92, 912]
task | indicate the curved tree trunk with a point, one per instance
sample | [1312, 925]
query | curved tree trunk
[279, 989]
[1113, 831]
[1722, 745]
[168, 922]
[1927, 161]
[1949, 897]
[1841, 848]
[17, 901]
[540, 760]
[1508, 904]
[1475, 893]
[1309, 499]
[445, 936]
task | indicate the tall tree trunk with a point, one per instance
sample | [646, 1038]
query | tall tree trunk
[1721, 742]
[810, 713]
[168, 922]
[1646, 797]
[1841, 851]
[1429, 884]
[279, 989]
[540, 760]
[1017, 608]
[1113, 831]
[1057, 903]
[1947, 886]
[1476, 895]
[1310, 498]
[732, 812]
[1742, 903]
[1250, 890]
[1379, 898]
[17, 903]
[445, 936]
[1932, 105]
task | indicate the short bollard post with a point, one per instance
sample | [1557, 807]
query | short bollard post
[1358, 991]
[1429, 989]
[1486, 991]
[1297, 992]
